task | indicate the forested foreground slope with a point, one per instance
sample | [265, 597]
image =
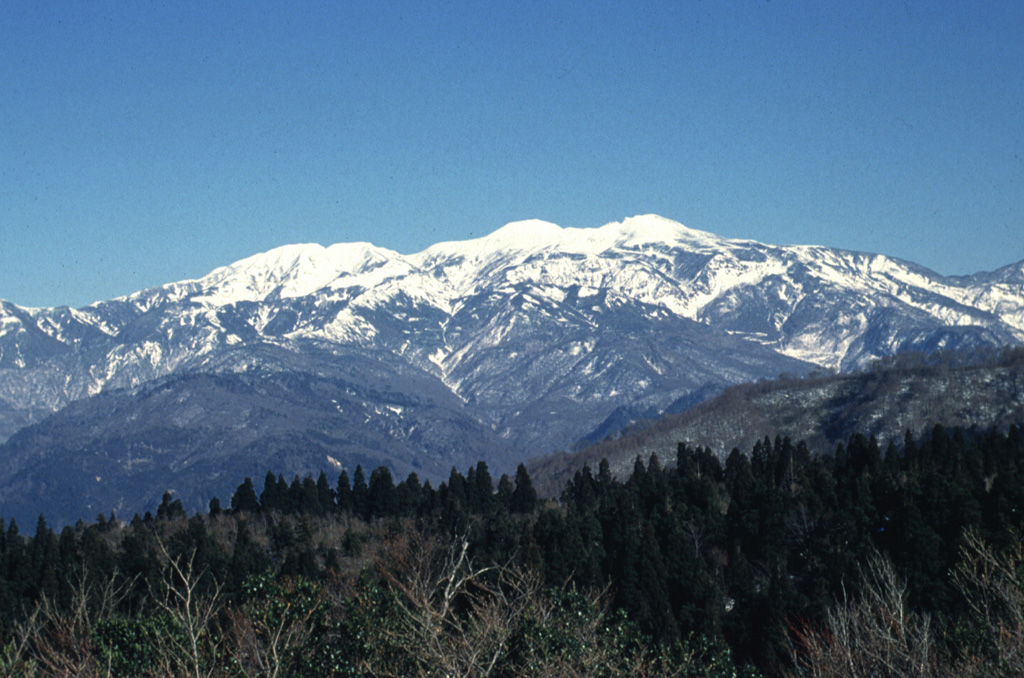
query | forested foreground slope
[777, 561]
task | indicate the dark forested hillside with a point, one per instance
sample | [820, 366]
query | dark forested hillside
[907, 392]
[197, 433]
[705, 563]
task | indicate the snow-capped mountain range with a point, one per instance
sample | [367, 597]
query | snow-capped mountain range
[521, 342]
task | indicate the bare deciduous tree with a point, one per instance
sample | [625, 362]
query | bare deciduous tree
[994, 589]
[193, 613]
[429, 582]
[61, 642]
[874, 636]
[460, 620]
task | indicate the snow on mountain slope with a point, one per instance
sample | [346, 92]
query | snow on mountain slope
[514, 302]
[299, 270]
[511, 345]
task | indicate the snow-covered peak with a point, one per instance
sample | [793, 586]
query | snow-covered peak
[513, 238]
[356, 258]
[291, 271]
[651, 228]
[1011, 274]
[522, 238]
[298, 270]
[523, 235]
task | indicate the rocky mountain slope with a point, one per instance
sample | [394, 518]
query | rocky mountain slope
[521, 342]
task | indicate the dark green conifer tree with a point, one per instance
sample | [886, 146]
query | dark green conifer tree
[524, 497]
[295, 501]
[505, 490]
[381, 493]
[325, 494]
[169, 509]
[360, 493]
[244, 499]
[482, 489]
[409, 496]
[310, 498]
[458, 489]
[269, 497]
[454, 503]
[44, 557]
[284, 495]
[604, 473]
[343, 495]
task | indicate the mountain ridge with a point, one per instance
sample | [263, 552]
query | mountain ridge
[538, 334]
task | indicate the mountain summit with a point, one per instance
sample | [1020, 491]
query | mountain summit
[517, 343]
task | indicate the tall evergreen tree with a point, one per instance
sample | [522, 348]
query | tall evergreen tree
[270, 499]
[244, 498]
[505, 490]
[409, 496]
[343, 495]
[310, 504]
[296, 500]
[284, 495]
[360, 493]
[482, 489]
[325, 495]
[169, 508]
[381, 493]
[524, 497]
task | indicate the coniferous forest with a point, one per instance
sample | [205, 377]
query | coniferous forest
[779, 562]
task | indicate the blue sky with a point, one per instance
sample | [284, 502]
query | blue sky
[145, 142]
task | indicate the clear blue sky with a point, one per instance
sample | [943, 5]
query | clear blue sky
[146, 142]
